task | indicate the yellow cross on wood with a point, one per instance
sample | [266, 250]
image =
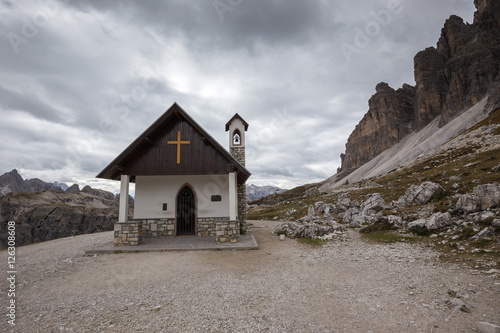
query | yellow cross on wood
[178, 143]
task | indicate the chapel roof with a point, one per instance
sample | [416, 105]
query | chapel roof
[153, 154]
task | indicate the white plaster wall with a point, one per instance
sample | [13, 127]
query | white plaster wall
[152, 191]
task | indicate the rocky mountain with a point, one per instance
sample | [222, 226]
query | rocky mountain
[13, 182]
[43, 211]
[49, 215]
[255, 192]
[450, 78]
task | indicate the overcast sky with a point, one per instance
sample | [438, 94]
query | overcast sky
[81, 79]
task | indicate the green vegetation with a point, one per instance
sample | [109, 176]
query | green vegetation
[388, 236]
[312, 242]
[466, 233]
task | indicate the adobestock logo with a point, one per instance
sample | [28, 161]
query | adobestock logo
[372, 29]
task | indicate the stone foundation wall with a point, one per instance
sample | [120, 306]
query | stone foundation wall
[153, 228]
[128, 233]
[227, 231]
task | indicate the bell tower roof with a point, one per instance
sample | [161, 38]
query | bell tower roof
[236, 116]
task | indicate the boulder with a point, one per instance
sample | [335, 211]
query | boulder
[439, 220]
[482, 234]
[300, 230]
[373, 205]
[468, 203]
[348, 215]
[343, 204]
[482, 197]
[436, 221]
[419, 194]
[417, 224]
[481, 216]
[310, 211]
[324, 208]
[390, 222]
[393, 221]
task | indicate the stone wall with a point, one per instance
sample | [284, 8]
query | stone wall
[242, 205]
[128, 233]
[227, 231]
[153, 228]
[156, 228]
[239, 154]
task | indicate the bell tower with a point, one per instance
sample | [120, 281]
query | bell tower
[237, 128]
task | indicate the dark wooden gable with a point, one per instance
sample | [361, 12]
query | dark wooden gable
[151, 153]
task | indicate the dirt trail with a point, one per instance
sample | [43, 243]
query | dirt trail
[284, 286]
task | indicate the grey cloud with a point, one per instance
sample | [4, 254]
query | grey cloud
[277, 63]
[10, 100]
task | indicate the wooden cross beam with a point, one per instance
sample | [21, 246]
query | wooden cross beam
[178, 143]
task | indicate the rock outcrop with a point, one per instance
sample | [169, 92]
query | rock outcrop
[483, 197]
[419, 194]
[387, 121]
[460, 71]
[436, 221]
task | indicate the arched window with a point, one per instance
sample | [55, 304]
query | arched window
[236, 138]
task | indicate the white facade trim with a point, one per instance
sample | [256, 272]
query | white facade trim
[233, 196]
[123, 210]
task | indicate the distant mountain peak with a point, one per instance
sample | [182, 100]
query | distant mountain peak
[255, 192]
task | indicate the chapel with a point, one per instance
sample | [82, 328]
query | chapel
[186, 183]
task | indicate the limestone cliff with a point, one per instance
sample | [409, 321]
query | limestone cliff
[461, 70]
[387, 121]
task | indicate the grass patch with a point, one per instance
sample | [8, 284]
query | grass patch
[466, 233]
[482, 243]
[486, 222]
[388, 236]
[376, 227]
[312, 242]
[421, 231]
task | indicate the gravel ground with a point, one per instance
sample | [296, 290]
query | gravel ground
[345, 286]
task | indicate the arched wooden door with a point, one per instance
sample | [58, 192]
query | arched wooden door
[186, 212]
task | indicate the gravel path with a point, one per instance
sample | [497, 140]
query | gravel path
[350, 286]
